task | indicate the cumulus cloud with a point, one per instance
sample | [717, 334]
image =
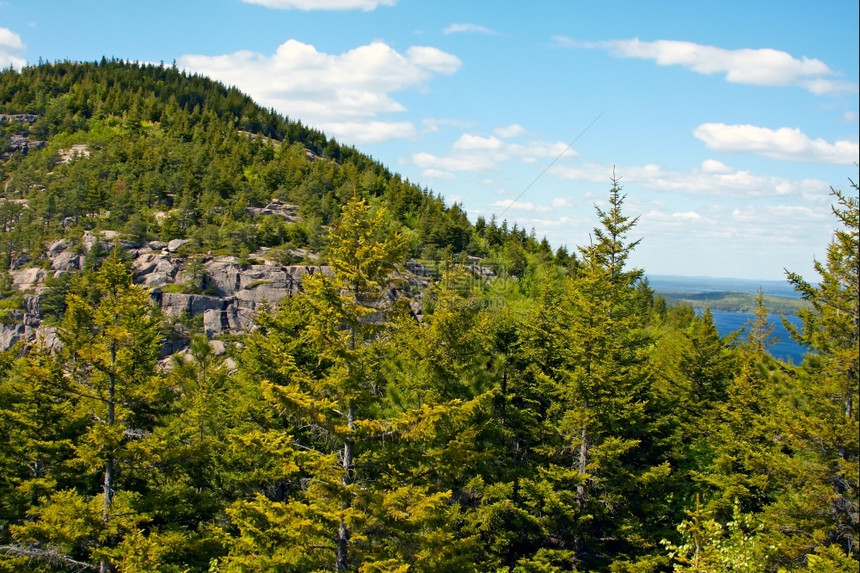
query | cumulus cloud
[687, 216]
[475, 153]
[714, 166]
[307, 5]
[11, 49]
[343, 94]
[563, 202]
[372, 131]
[438, 174]
[509, 131]
[452, 163]
[468, 28]
[469, 142]
[785, 143]
[712, 179]
[762, 67]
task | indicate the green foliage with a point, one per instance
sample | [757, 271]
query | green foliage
[553, 415]
[169, 155]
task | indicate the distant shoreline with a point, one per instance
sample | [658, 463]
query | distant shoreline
[728, 294]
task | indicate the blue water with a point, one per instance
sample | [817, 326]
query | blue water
[785, 348]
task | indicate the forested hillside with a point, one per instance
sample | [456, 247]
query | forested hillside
[517, 410]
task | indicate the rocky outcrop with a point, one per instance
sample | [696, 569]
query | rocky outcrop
[18, 118]
[219, 294]
[276, 207]
[219, 290]
[20, 143]
[25, 324]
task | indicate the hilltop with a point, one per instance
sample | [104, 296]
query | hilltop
[145, 156]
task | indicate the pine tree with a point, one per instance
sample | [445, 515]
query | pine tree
[340, 316]
[597, 383]
[827, 424]
[108, 363]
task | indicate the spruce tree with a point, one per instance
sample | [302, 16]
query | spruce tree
[108, 364]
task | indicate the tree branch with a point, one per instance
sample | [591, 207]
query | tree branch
[49, 556]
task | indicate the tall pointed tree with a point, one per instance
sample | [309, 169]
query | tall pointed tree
[339, 317]
[598, 385]
[829, 424]
[109, 356]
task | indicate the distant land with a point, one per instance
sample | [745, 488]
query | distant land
[674, 283]
[727, 294]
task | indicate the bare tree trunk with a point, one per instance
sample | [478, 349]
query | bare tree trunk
[104, 565]
[583, 465]
[342, 531]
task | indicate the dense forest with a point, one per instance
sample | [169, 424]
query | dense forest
[554, 415]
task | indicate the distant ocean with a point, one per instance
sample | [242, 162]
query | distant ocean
[727, 322]
[785, 347]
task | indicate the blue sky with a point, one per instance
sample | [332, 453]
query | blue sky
[727, 122]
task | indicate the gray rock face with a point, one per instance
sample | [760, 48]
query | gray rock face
[223, 293]
[20, 143]
[26, 325]
[220, 291]
[66, 261]
[174, 245]
[18, 117]
[27, 279]
[175, 304]
[276, 207]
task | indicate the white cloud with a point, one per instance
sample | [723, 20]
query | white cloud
[334, 92]
[437, 174]
[479, 153]
[714, 166]
[785, 143]
[687, 216]
[468, 28]
[473, 163]
[785, 223]
[509, 131]
[433, 59]
[308, 5]
[704, 181]
[763, 67]
[372, 131]
[476, 142]
[11, 48]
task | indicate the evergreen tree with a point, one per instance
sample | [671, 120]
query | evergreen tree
[342, 314]
[108, 365]
[828, 422]
[598, 387]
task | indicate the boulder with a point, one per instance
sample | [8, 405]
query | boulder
[25, 279]
[66, 261]
[175, 244]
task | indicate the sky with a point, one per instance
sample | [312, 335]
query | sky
[726, 123]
